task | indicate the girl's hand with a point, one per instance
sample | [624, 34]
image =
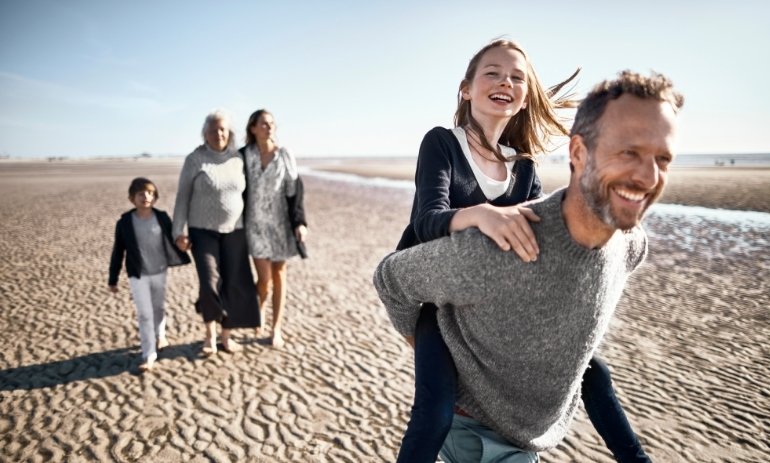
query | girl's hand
[506, 226]
[183, 243]
[300, 232]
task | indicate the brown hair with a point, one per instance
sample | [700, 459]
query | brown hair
[656, 86]
[140, 184]
[250, 138]
[533, 128]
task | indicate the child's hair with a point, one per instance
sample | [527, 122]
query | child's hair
[140, 184]
[250, 138]
[532, 129]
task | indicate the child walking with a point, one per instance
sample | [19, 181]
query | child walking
[476, 175]
[143, 234]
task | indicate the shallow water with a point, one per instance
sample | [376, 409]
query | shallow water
[714, 233]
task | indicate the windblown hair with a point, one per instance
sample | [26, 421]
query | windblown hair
[656, 86]
[532, 130]
[251, 139]
[141, 184]
[226, 118]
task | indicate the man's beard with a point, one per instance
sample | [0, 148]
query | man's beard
[597, 196]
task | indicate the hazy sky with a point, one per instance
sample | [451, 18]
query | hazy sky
[103, 78]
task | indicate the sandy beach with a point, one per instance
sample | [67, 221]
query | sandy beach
[689, 345]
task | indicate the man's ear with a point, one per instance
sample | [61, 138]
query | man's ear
[578, 154]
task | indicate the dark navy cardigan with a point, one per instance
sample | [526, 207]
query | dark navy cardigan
[125, 243]
[446, 183]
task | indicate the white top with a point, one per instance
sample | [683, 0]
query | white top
[490, 187]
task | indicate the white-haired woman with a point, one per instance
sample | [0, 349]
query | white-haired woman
[210, 202]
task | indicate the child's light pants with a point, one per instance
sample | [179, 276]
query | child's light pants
[149, 293]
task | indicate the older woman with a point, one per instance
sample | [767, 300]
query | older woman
[210, 202]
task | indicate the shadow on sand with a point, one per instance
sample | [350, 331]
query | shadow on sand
[91, 366]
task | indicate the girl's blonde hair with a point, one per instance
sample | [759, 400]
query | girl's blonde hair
[532, 129]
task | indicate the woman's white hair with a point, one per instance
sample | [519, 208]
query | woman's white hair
[226, 118]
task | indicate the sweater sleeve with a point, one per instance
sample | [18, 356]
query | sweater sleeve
[432, 181]
[451, 271]
[184, 195]
[116, 261]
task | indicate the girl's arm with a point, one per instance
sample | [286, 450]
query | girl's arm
[116, 261]
[506, 226]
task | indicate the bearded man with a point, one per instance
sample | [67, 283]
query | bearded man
[522, 334]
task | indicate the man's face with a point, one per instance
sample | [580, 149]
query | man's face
[628, 167]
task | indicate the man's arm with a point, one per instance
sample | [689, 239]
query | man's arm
[448, 271]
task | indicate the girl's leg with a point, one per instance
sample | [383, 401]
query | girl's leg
[264, 275]
[278, 270]
[159, 308]
[607, 415]
[142, 295]
[435, 381]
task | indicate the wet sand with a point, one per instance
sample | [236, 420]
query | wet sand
[738, 188]
[688, 347]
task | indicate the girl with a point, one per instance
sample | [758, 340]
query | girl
[474, 176]
[275, 222]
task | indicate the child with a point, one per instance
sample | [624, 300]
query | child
[144, 235]
[474, 176]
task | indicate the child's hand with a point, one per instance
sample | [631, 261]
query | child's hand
[113, 288]
[509, 228]
[183, 243]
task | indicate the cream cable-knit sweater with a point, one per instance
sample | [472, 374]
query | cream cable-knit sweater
[210, 191]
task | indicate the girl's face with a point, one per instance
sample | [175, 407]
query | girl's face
[217, 135]
[264, 128]
[144, 200]
[499, 87]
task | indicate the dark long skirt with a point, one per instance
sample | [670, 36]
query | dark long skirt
[227, 293]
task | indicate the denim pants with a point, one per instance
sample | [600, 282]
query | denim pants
[435, 381]
[470, 441]
[149, 294]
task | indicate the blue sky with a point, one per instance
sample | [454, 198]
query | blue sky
[83, 79]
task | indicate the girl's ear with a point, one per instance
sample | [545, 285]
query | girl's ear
[465, 91]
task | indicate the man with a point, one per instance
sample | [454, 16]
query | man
[521, 334]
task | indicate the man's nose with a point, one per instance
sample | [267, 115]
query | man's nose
[647, 173]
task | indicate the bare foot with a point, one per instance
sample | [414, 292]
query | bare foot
[162, 343]
[258, 331]
[148, 364]
[277, 339]
[231, 346]
[209, 347]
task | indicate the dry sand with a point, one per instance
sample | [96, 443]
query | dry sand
[689, 346]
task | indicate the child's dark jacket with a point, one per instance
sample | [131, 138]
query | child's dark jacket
[125, 243]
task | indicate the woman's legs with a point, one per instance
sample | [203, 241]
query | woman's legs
[278, 271]
[607, 415]
[435, 381]
[264, 275]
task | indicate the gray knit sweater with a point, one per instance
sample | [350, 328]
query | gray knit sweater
[521, 334]
[210, 191]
